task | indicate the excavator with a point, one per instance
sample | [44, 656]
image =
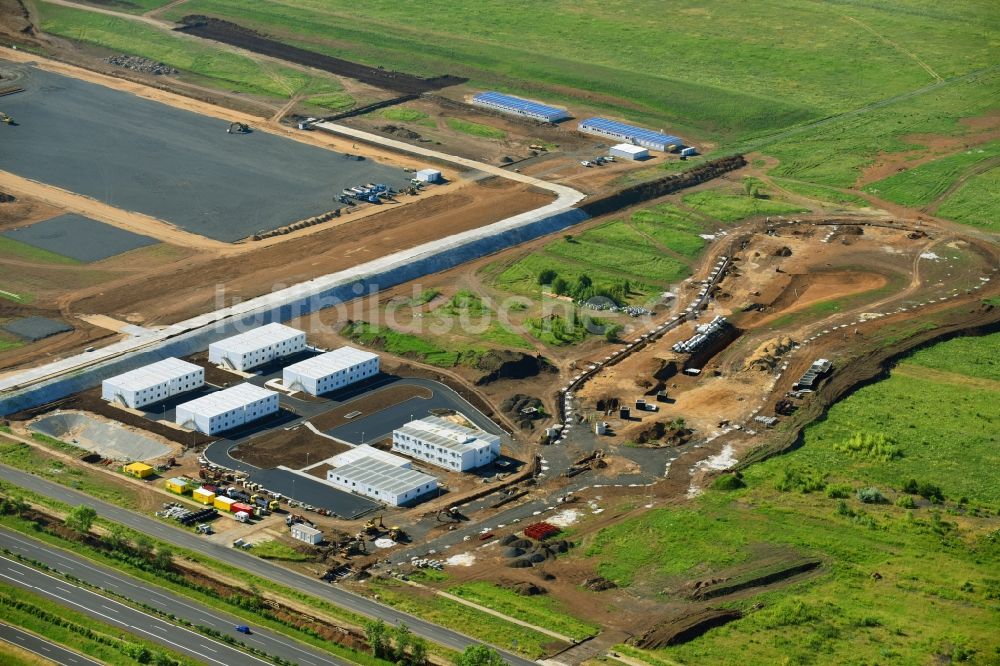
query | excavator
[5, 119]
[238, 128]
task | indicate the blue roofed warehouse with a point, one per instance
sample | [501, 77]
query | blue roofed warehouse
[519, 107]
[638, 136]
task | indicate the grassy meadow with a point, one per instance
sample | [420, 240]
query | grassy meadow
[975, 202]
[914, 442]
[211, 66]
[921, 185]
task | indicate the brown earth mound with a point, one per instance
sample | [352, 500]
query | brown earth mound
[291, 448]
[504, 364]
[683, 628]
[663, 433]
[766, 356]
[521, 587]
[236, 35]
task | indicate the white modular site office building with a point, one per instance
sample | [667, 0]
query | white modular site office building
[446, 444]
[365, 451]
[639, 136]
[153, 383]
[256, 347]
[516, 106]
[629, 152]
[330, 371]
[382, 481]
[227, 409]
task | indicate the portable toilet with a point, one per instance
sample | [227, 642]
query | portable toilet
[601, 428]
[203, 496]
[138, 470]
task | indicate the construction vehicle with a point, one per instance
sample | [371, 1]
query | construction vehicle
[204, 528]
[536, 146]
[5, 119]
[238, 128]
[373, 527]
[396, 533]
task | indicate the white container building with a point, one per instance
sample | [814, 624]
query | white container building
[330, 371]
[153, 383]
[639, 136]
[306, 533]
[446, 444]
[256, 347]
[365, 451]
[381, 481]
[428, 176]
[517, 106]
[629, 152]
[227, 409]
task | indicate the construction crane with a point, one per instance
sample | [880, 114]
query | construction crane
[237, 128]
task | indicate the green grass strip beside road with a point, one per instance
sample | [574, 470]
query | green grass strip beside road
[80, 632]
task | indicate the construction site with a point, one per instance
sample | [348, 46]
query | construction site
[201, 220]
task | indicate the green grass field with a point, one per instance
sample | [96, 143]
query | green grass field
[921, 185]
[130, 6]
[215, 67]
[402, 114]
[820, 193]
[735, 207]
[475, 129]
[538, 610]
[975, 202]
[937, 596]
[12, 248]
[826, 60]
[276, 550]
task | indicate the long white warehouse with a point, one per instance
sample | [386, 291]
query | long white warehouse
[153, 383]
[446, 444]
[382, 481]
[330, 371]
[227, 409]
[256, 347]
[365, 451]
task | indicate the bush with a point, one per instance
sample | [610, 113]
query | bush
[802, 480]
[546, 276]
[871, 496]
[875, 446]
[838, 491]
[728, 482]
[928, 491]
[906, 502]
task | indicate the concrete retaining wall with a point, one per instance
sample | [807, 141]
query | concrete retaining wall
[195, 335]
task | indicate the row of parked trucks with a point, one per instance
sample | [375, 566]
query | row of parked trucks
[231, 499]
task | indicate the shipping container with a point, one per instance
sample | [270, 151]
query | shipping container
[203, 495]
[240, 506]
[224, 503]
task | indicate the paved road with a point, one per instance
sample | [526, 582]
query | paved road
[43, 648]
[125, 617]
[259, 567]
[161, 599]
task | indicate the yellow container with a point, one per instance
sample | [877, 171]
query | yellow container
[203, 496]
[224, 503]
[138, 470]
[178, 486]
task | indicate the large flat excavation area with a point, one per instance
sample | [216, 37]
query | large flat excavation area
[169, 163]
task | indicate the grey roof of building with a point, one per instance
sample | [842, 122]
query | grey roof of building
[383, 476]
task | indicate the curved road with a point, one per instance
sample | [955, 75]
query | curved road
[43, 648]
[264, 569]
[163, 600]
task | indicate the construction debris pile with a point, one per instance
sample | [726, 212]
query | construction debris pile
[766, 356]
[703, 334]
[140, 64]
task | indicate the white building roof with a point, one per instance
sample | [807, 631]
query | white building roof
[227, 399]
[424, 173]
[326, 364]
[153, 374]
[259, 337]
[629, 148]
[446, 434]
[365, 451]
[383, 476]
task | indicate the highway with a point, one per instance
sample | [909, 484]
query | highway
[43, 648]
[264, 569]
[125, 617]
[159, 598]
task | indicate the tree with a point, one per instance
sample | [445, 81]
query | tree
[560, 286]
[480, 655]
[402, 637]
[377, 634]
[80, 519]
[418, 652]
[164, 558]
[584, 281]
[144, 545]
[14, 505]
[546, 276]
[116, 539]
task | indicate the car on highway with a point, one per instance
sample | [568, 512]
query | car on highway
[243, 629]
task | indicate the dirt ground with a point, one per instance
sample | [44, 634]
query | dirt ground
[371, 403]
[294, 448]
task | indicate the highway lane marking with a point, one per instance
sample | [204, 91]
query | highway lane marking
[113, 610]
[119, 622]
